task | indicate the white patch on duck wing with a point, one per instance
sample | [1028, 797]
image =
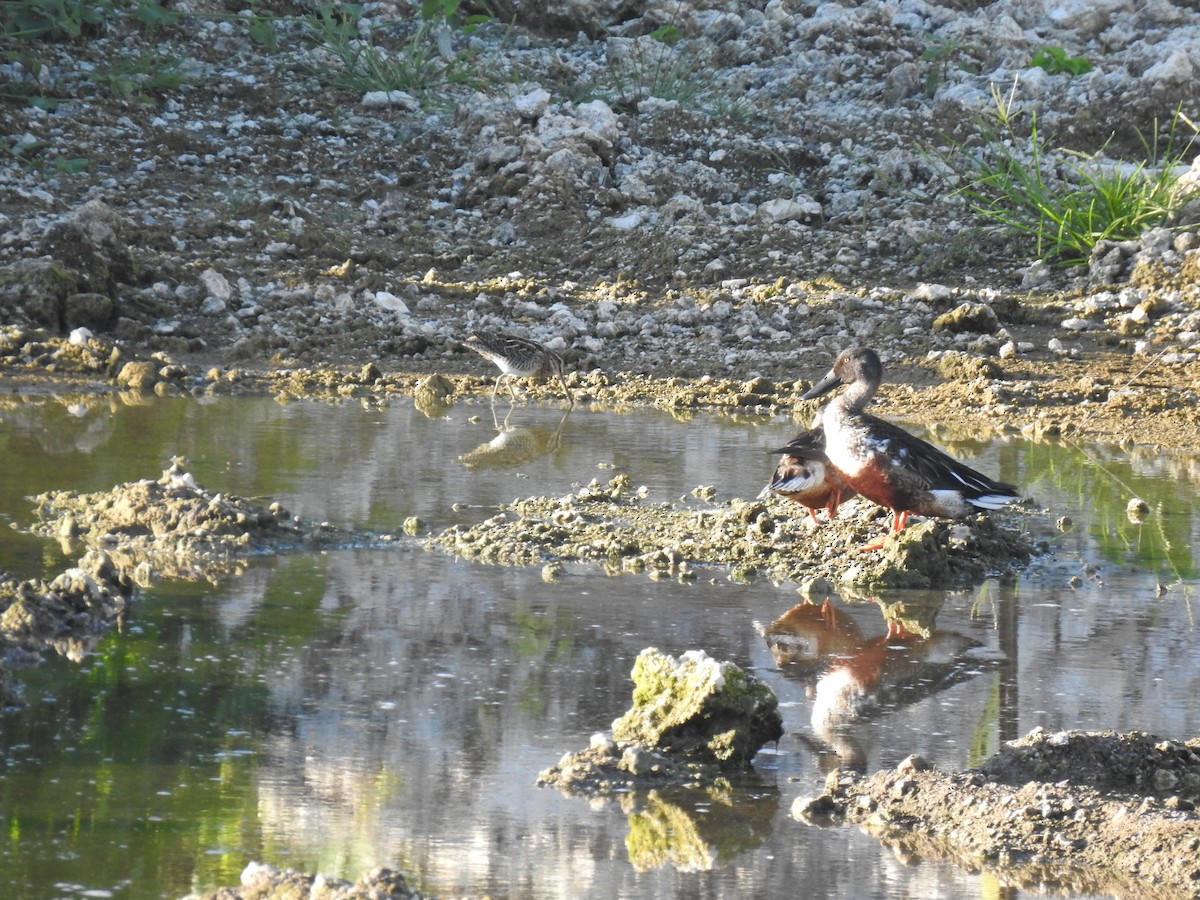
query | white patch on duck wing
[979, 484]
[878, 445]
[797, 483]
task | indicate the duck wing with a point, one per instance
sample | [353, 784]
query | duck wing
[936, 470]
[808, 444]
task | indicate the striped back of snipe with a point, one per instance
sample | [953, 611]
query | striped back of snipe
[516, 355]
[519, 357]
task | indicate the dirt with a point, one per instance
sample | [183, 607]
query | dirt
[1036, 815]
[614, 526]
[1069, 812]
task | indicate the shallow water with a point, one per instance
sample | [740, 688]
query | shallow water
[392, 705]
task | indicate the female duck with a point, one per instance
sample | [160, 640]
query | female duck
[886, 464]
[805, 476]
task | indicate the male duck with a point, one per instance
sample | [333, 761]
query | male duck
[804, 475]
[886, 464]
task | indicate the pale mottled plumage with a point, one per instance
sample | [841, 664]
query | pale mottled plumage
[519, 357]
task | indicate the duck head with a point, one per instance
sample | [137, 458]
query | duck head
[856, 364]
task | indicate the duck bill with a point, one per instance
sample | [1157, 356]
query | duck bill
[824, 386]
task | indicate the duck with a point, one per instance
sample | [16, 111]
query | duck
[805, 476]
[886, 464]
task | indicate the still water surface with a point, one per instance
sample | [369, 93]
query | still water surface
[391, 705]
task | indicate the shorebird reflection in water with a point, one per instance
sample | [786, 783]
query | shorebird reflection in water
[519, 357]
[885, 463]
[515, 445]
[804, 475]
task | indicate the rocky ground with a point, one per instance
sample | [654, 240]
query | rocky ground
[697, 203]
[1074, 813]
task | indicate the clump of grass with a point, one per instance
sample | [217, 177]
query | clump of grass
[1065, 200]
[1056, 61]
[29, 152]
[426, 61]
[667, 66]
[945, 53]
[138, 77]
[53, 19]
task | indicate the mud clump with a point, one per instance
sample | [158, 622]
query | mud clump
[129, 535]
[66, 614]
[66, 611]
[1089, 813]
[261, 881]
[693, 719]
[172, 526]
[622, 529]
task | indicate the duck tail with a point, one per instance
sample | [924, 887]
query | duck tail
[996, 500]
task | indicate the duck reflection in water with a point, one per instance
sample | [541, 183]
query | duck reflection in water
[852, 678]
[515, 445]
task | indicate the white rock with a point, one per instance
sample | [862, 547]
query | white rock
[567, 160]
[391, 303]
[785, 210]
[1087, 18]
[79, 336]
[398, 99]
[932, 292]
[216, 284]
[601, 121]
[1175, 69]
[533, 104]
[627, 222]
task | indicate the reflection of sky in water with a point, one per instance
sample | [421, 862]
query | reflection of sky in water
[393, 706]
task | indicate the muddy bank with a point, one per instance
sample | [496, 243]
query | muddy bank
[130, 535]
[1072, 812]
[618, 526]
[173, 527]
[1096, 395]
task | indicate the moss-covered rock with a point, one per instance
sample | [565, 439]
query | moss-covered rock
[693, 720]
[699, 708]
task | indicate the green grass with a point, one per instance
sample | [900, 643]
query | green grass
[138, 77]
[944, 54]
[666, 66]
[1066, 201]
[53, 19]
[425, 62]
[1055, 60]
